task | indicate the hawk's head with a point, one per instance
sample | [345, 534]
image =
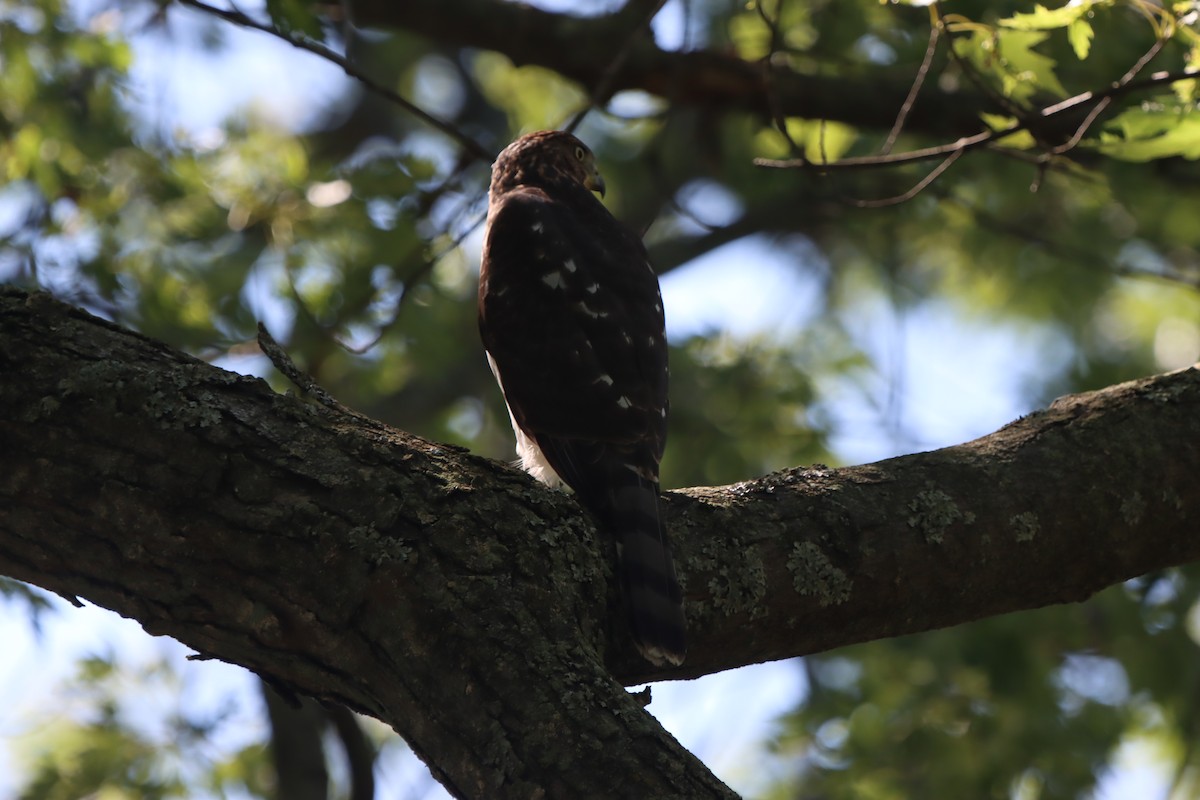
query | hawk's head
[546, 159]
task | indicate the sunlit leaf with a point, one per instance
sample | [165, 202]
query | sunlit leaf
[1148, 137]
[1031, 71]
[1008, 57]
[1044, 19]
[1020, 140]
[1080, 34]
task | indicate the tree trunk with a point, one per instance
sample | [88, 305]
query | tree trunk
[469, 607]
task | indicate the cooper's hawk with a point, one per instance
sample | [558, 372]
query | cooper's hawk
[572, 321]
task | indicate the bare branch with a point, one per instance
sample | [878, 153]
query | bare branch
[643, 16]
[1106, 101]
[918, 82]
[914, 191]
[580, 48]
[873, 162]
[242, 20]
[287, 367]
[369, 567]
[972, 74]
[768, 67]
[984, 138]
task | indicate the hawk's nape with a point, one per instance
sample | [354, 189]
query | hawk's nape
[571, 317]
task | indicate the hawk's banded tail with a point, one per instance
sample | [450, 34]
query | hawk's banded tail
[648, 573]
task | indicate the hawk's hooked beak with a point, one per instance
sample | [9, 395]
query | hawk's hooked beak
[595, 182]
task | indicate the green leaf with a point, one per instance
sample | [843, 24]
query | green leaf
[750, 36]
[1019, 140]
[1073, 16]
[1154, 139]
[1007, 56]
[1185, 91]
[1028, 71]
[824, 142]
[1045, 19]
[1080, 34]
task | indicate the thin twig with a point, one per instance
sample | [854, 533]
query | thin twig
[411, 280]
[690, 215]
[984, 137]
[1083, 128]
[918, 82]
[609, 76]
[972, 74]
[303, 381]
[1060, 250]
[348, 27]
[915, 190]
[909, 157]
[1107, 101]
[768, 65]
[472, 151]
[242, 20]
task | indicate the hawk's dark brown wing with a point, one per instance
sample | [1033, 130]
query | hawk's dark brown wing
[570, 311]
[571, 316]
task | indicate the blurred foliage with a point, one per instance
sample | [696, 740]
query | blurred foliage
[1025, 705]
[351, 233]
[102, 743]
[35, 602]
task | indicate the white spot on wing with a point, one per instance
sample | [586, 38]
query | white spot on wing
[570, 265]
[595, 287]
[642, 472]
[586, 309]
[537, 227]
[606, 379]
[624, 402]
[553, 279]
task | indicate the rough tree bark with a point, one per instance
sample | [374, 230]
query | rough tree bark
[469, 608]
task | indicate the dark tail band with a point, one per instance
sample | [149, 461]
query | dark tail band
[648, 575]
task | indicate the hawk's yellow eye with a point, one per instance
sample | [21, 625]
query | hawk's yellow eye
[579, 153]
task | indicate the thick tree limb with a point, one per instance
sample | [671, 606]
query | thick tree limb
[468, 607]
[440, 592]
[581, 49]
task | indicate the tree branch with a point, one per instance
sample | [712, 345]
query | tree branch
[581, 49]
[236, 17]
[445, 594]
[470, 608]
[1098, 101]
